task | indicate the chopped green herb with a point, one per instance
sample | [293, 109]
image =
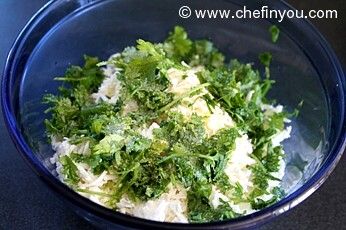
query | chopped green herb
[70, 170]
[177, 112]
[274, 32]
[265, 58]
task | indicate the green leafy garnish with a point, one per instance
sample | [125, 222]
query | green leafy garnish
[70, 170]
[152, 146]
[265, 58]
[200, 209]
[274, 32]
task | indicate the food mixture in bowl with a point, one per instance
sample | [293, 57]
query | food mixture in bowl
[170, 132]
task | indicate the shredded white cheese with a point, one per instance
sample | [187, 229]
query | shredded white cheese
[109, 91]
[237, 167]
[148, 133]
[216, 119]
[172, 205]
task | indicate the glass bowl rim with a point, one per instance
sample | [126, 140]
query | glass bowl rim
[59, 187]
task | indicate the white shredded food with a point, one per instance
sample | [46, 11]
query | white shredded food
[172, 205]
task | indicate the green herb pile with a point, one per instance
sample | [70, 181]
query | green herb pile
[180, 152]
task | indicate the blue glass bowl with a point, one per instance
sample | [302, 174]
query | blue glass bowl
[304, 67]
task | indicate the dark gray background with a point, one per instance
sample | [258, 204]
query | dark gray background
[25, 203]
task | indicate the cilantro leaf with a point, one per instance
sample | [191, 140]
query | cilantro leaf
[204, 53]
[89, 76]
[274, 32]
[69, 169]
[178, 45]
[265, 58]
[200, 210]
[258, 204]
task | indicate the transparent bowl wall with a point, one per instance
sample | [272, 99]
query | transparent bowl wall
[303, 67]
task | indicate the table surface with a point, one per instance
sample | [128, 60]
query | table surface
[25, 203]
